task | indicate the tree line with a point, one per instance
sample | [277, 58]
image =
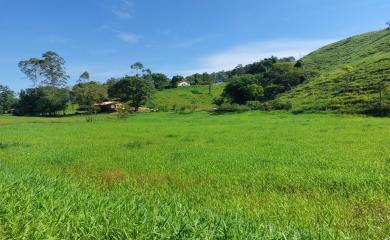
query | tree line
[50, 95]
[254, 86]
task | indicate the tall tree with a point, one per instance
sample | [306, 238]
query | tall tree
[135, 90]
[32, 69]
[49, 70]
[84, 77]
[137, 67]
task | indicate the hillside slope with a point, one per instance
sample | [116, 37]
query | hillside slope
[197, 96]
[335, 88]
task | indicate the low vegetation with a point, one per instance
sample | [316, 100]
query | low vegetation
[165, 175]
[353, 77]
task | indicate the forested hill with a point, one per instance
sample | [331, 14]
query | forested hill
[353, 75]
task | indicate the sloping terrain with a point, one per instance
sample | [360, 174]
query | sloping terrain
[351, 75]
[197, 96]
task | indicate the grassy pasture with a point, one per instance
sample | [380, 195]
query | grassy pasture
[369, 56]
[166, 175]
[186, 96]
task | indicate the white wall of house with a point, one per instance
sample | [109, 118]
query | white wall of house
[183, 84]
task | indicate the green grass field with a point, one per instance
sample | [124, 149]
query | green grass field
[197, 96]
[167, 175]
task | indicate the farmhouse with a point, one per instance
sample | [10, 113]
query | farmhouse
[109, 106]
[183, 84]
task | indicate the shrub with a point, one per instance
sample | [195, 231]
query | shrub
[196, 92]
[232, 107]
[185, 108]
[269, 106]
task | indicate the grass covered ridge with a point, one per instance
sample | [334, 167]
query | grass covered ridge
[162, 175]
[335, 89]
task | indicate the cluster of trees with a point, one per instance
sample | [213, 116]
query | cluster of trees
[7, 99]
[50, 94]
[262, 81]
[252, 84]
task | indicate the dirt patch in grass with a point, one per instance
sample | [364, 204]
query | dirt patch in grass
[113, 177]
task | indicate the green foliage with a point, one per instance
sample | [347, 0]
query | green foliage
[253, 175]
[84, 77]
[135, 90]
[86, 94]
[243, 88]
[175, 80]
[273, 76]
[7, 99]
[48, 71]
[269, 105]
[159, 80]
[47, 101]
[137, 67]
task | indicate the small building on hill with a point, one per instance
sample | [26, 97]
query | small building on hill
[109, 106]
[183, 84]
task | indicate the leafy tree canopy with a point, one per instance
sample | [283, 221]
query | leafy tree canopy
[88, 93]
[42, 101]
[7, 99]
[159, 80]
[133, 89]
[47, 71]
[243, 88]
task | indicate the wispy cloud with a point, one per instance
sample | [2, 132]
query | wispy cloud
[124, 36]
[123, 9]
[255, 51]
[128, 37]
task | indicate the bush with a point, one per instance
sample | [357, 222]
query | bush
[232, 107]
[185, 108]
[162, 108]
[123, 113]
[196, 92]
[269, 106]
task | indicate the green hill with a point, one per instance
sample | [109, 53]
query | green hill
[196, 96]
[334, 88]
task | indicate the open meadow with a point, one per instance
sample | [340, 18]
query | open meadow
[200, 175]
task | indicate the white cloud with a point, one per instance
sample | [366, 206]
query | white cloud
[255, 51]
[128, 37]
[123, 10]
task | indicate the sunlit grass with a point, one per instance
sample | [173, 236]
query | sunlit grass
[161, 175]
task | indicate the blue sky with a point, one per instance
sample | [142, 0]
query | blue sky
[173, 36]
